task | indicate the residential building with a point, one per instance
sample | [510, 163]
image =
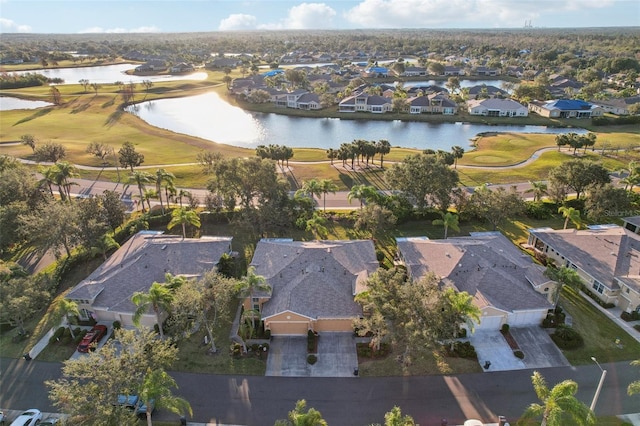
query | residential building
[619, 106]
[606, 257]
[313, 284]
[506, 284]
[483, 91]
[363, 102]
[565, 108]
[434, 103]
[105, 295]
[151, 66]
[497, 108]
[414, 71]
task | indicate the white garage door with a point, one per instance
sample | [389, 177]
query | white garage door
[526, 319]
[489, 323]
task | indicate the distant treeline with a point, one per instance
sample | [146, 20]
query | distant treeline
[610, 121]
[17, 81]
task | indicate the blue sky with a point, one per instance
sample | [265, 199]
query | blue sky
[130, 16]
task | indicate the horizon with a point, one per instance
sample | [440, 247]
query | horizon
[220, 16]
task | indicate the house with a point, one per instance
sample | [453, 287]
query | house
[486, 91]
[434, 103]
[606, 257]
[506, 284]
[414, 71]
[451, 70]
[224, 62]
[313, 284]
[485, 71]
[376, 72]
[181, 67]
[363, 102]
[497, 108]
[619, 106]
[105, 295]
[298, 99]
[565, 108]
[151, 66]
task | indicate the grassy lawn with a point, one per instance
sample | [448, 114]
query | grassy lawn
[429, 364]
[598, 331]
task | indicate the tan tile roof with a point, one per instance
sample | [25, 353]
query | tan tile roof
[487, 266]
[317, 279]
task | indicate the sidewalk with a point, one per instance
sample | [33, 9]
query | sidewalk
[614, 314]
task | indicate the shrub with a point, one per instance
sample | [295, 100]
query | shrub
[630, 316]
[55, 337]
[537, 210]
[637, 327]
[236, 350]
[518, 354]
[462, 333]
[463, 350]
[567, 338]
[117, 325]
[505, 328]
[549, 321]
[267, 334]
[312, 359]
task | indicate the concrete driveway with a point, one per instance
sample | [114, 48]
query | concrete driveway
[538, 348]
[336, 356]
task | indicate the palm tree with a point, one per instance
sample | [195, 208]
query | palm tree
[317, 226]
[158, 298]
[383, 147]
[148, 195]
[558, 404]
[539, 190]
[162, 176]
[156, 392]
[182, 216]
[570, 214]
[364, 193]
[395, 418]
[563, 276]
[301, 416]
[326, 186]
[449, 220]
[103, 245]
[462, 309]
[252, 283]
[248, 323]
[457, 152]
[311, 187]
[66, 308]
[140, 179]
[634, 387]
[48, 178]
[62, 172]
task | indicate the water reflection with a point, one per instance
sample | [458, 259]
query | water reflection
[210, 117]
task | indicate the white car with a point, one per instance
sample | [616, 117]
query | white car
[29, 417]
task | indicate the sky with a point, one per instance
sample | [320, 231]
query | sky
[148, 16]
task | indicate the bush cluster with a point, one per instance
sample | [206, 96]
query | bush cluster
[630, 316]
[518, 354]
[312, 359]
[462, 350]
[567, 338]
[311, 341]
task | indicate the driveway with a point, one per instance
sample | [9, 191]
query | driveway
[538, 348]
[336, 356]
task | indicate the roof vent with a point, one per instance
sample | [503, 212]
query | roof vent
[163, 247]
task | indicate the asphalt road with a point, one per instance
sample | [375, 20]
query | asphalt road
[252, 400]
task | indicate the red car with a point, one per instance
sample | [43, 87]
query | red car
[92, 337]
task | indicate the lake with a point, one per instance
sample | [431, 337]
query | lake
[8, 103]
[108, 74]
[210, 117]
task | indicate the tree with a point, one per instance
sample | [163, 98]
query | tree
[578, 175]
[92, 221]
[317, 225]
[89, 387]
[327, 186]
[497, 205]
[383, 147]
[449, 220]
[424, 179]
[29, 140]
[332, 154]
[100, 150]
[128, 157]
[570, 214]
[95, 87]
[607, 200]
[561, 140]
[207, 159]
[103, 245]
[252, 283]
[148, 84]
[458, 309]
[376, 219]
[458, 153]
[539, 190]
[156, 390]
[56, 229]
[140, 179]
[301, 416]
[66, 309]
[114, 208]
[562, 276]
[158, 297]
[559, 404]
[395, 418]
[184, 216]
[364, 193]
[56, 97]
[63, 171]
[311, 187]
[50, 151]
[20, 299]
[162, 177]
[84, 83]
[634, 387]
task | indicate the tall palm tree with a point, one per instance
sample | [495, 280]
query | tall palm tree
[563, 276]
[311, 187]
[326, 186]
[317, 225]
[449, 220]
[457, 152]
[538, 189]
[156, 392]
[66, 308]
[162, 177]
[182, 216]
[460, 304]
[158, 298]
[558, 404]
[634, 387]
[48, 178]
[383, 147]
[140, 179]
[364, 193]
[103, 245]
[252, 283]
[570, 214]
[301, 416]
[63, 171]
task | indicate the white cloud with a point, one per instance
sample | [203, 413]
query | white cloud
[238, 21]
[305, 16]
[119, 30]
[454, 13]
[8, 26]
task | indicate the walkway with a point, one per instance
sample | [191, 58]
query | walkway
[614, 315]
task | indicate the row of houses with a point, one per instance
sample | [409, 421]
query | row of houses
[313, 283]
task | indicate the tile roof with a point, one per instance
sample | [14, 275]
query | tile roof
[317, 279]
[144, 259]
[486, 265]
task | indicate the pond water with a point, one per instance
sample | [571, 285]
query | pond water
[8, 103]
[108, 74]
[210, 117]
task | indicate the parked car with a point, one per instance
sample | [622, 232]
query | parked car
[92, 337]
[134, 403]
[30, 417]
[49, 422]
[2, 418]
[141, 411]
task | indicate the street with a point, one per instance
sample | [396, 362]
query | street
[252, 400]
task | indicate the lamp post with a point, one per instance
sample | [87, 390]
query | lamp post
[599, 388]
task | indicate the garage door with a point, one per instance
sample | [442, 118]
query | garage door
[288, 328]
[526, 319]
[489, 322]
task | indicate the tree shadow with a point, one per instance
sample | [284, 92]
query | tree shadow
[114, 118]
[109, 103]
[39, 113]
